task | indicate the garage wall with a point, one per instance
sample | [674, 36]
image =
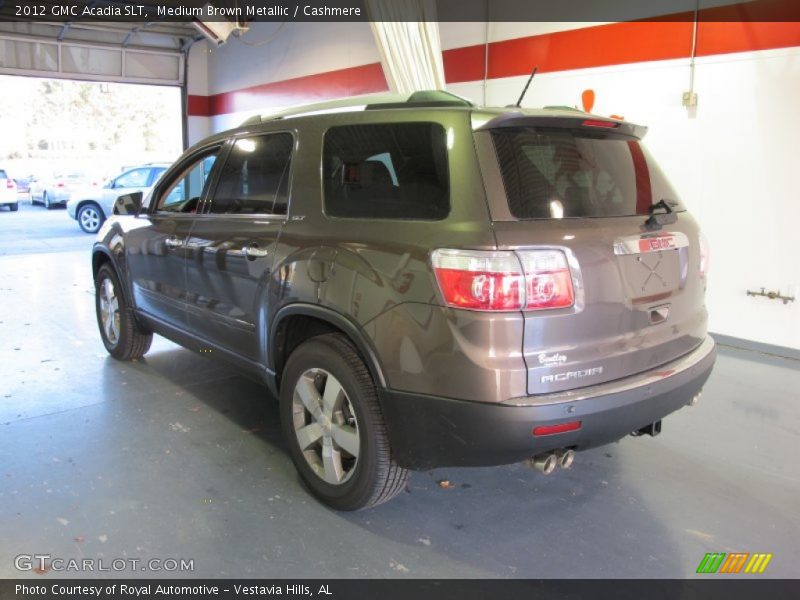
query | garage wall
[279, 65]
[732, 158]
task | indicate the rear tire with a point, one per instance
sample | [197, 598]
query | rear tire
[122, 335]
[90, 217]
[13, 207]
[329, 404]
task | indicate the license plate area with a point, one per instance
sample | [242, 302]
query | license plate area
[653, 266]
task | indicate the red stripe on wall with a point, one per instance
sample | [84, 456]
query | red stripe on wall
[724, 38]
[603, 45]
[353, 81]
[198, 106]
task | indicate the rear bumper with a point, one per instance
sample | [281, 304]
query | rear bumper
[427, 431]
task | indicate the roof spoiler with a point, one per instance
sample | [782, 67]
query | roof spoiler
[580, 120]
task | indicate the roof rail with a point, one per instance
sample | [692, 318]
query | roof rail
[422, 99]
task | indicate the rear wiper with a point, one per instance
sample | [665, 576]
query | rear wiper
[658, 219]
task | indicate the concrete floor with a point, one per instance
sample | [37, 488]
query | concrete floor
[177, 456]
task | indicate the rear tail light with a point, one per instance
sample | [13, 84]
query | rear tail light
[547, 278]
[503, 280]
[10, 184]
[704, 255]
[479, 280]
[60, 184]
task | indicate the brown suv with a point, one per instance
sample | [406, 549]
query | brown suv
[422, 283]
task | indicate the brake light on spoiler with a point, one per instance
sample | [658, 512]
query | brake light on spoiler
[504, 280]
[599, 123]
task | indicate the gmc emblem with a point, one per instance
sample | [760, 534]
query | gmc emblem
[656, 243]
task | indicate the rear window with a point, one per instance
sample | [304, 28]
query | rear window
[386, 171]
[3, 174]
[563, 174]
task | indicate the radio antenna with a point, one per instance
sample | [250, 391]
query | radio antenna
[522, 95]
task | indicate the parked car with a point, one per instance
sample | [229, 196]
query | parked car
[23, 184]
[92, 208]
[8, 191]
[422, 283]
[57, 190]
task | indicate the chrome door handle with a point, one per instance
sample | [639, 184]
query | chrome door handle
[254, 252]
[173, 242]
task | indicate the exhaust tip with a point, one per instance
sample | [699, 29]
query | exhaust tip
[696, 398]
[565, 458]
[544, 463]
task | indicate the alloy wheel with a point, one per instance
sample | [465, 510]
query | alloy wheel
[109, 310]
[90, 219]
[326, 426]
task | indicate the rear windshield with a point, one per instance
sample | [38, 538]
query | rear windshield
[561, 174]
[3, 174]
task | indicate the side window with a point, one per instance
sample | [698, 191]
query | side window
[255, 178]
[386, 171]
[133, 179]
[185, 193]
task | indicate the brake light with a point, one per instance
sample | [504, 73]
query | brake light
[10, 184]
[503, 280]
[599, 123]
[60, 184]
[704, 255]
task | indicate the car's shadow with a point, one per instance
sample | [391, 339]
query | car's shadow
[508, 521]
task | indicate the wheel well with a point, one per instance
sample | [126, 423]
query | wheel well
[293, 331]
[83, 203]
[98, 260]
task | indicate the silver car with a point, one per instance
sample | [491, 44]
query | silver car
[92, 209]
[55, 190]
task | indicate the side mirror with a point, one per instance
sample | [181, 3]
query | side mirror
[129, 204]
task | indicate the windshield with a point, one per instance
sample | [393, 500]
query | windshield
[555, 174]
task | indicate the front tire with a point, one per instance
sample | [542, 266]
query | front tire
[90, 218]
[122, 336]
[333, 423]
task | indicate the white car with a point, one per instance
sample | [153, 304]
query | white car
[8, 191]
[92, 209]
[56, 190]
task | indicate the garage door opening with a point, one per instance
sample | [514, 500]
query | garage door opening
[53, 126]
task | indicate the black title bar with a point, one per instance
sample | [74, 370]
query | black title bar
[359, 10]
